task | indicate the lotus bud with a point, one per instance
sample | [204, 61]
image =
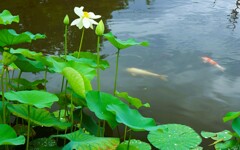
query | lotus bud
[100, 28]
[66, 20]
[8, 58]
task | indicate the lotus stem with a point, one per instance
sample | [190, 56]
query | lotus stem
[81, 113]
[125, 133]
[45, 78]
[104, 124]
[129, 139]
[28, 132]
[72, 121]
[116, 73]
[98, 57]
[3, 99]
[80, 45]
[19, 76]
[65, 42]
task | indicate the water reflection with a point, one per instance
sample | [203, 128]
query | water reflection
[234, 16]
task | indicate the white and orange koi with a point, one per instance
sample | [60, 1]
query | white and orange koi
[212, 62]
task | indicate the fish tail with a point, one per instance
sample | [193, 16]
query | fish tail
[220, 67]
[163, 77]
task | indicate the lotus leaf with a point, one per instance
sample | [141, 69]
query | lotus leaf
[25, 52]
[36, 98]
[132, 100]
[98, 101]
[218, 136]
[9, 37]
[81, 140]
[231, 116]
[134, 145]
[119, 44]
[23, 84]
[228, 145]
[236, 125]
[37, 116]
[7, 18]
[131, 117]
[9, 136]
[175, 137]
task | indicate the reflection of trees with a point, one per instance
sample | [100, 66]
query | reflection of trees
[234, 16]
[46, 17]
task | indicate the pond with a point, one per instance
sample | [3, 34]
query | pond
[179, 32]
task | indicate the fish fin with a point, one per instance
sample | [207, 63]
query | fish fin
[220, 68]
[133, 74]
[163, 77]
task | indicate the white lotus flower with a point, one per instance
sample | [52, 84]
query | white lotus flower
[86, 18]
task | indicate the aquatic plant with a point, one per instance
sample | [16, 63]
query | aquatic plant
[30, 100]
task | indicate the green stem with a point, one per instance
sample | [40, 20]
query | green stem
[80, 45]
[65, 42]
[19, 76]
[3, 99]
[7, 80]
[81, 113]
[104, 124]
[129, 139]
[45, 78]
[125, 133]
[116, 73]
[72, 114]
[98, 57]
[28, 132]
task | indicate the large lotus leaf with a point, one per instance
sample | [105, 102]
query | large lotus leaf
[119, 44]
[7, 18]
[9, 37]
[89, 58]
[78, 82]
[218, 136]
[132, 100]
[174, 137]
[25, 52]
[80, 140]
[231, 116]
[236, 125]
[27, 65]
[9, 136]
[98, 101]
[134, 145]
[36, 98]
[131, 117]
[38, 116]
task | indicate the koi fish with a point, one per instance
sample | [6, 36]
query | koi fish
[212, 62]
[136, 71]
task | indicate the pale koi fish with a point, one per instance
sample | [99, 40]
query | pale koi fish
[212, 62]
[136, 71]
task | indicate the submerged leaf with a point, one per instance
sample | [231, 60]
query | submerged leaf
[80, 140]
[9, 37]
[37, 116]
[119, 44]
[174, 136]
[134, 145]
[7, 18]
[9, 136]
[36, 98]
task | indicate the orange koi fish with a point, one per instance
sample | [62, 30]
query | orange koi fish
[212, 62]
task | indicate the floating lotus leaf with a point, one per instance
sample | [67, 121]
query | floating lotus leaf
[27, 65]
[9, 136]
[218, 136]
[132, 100]
[78, 82]
[25, 52]
[227, 145]
[131, 117]
[236, 125]
[9, 37]
[119, 44]
[36, 98]
[98, 101]
[80, 140]
[37, 116]
[174, 137]
[7, 18]
[134, 145]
